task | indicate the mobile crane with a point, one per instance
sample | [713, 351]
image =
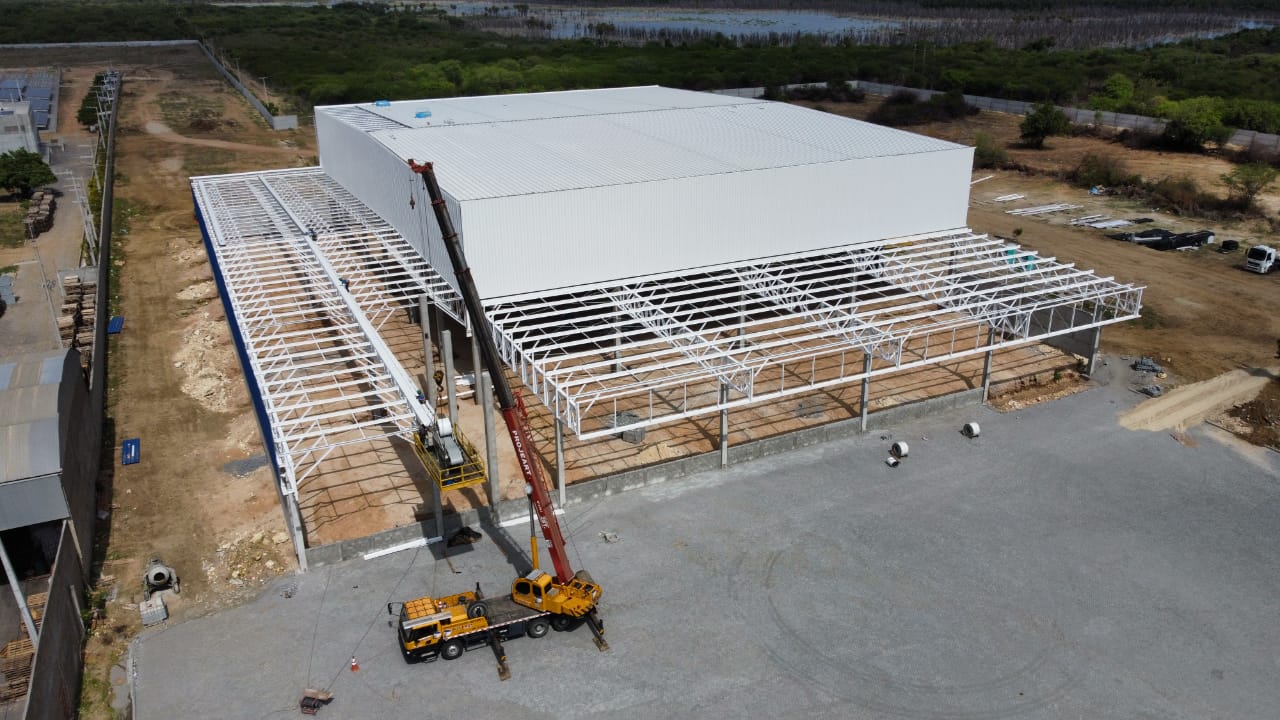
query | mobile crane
[446, 627]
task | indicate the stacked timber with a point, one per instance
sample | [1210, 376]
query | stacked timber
[39, 217]
[79, 314]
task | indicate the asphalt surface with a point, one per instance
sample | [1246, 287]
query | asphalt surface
[1058, 566]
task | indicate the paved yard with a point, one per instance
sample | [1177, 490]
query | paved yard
[1058, 566]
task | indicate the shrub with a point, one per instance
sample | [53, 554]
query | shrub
[1044, 120]
[988, 152]
[1106, 170]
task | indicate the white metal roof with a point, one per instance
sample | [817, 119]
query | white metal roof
[506, 145]
[30, 442]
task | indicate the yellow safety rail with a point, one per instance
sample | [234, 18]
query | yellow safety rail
[470, 472]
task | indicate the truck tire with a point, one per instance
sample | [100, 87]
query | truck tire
[477, 609]
[451, 650]
[562, 623]
[537, 628]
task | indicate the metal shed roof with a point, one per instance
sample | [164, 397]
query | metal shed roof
[29, 437]
[511, 145]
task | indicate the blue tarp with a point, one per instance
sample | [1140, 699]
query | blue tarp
[131, 451]
[115, 326]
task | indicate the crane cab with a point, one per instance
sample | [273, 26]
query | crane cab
[539, 591]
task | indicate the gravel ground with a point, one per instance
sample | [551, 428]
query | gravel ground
[1057, 566]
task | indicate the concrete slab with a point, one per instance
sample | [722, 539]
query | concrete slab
[1056, 566]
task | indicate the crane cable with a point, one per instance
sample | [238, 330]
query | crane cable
[395, 588]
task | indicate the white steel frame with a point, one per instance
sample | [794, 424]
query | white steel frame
[655, 349]
[311, 275]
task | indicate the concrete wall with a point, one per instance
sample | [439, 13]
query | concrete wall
[650, 475]
[81, 435]
[55, 672]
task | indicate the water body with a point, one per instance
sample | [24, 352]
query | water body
[574, 22]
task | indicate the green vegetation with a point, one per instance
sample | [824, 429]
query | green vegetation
[406, 52]
[11, 233]
[87, 115]
[1044, 121]
[904, 108]
[988, 152]
[22, 171]
[1245, 182]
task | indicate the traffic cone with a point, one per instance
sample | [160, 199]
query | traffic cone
[355, 666]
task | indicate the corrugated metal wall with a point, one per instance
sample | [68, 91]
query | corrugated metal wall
[385, 183]
[536, 242]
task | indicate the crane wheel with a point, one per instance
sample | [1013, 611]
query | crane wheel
[537, 628]
[562, 623]
[477, 609]
[451, 650]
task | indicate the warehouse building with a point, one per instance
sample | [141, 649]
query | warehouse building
[18, 128]
[670, 273]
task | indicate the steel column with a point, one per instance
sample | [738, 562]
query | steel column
[866, 389]
[20, 598]
[724, 426]
[986, 364]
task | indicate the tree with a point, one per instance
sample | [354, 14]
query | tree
[22, 170]
[1193, 122]
[1043, 121]
[1247, 181]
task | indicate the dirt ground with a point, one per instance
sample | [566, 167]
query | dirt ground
[202, 498]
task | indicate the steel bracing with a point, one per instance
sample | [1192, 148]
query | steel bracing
[654, 349]
[615, 355]
[311, 276]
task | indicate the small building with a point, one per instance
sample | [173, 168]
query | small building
[49, 450]
[18, 127]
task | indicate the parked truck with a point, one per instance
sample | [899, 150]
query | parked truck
[446, 627]
[1260, 259]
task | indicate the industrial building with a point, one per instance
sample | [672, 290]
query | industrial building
[669, 273]
[18, 128]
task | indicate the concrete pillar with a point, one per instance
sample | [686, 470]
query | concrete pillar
[20, 598]
[1092, 360]
[450, 387]
[866, 390]
[986, 364]
[294, 516]
[491, 448]
[429, 386]
[559, 452]
[724, 426]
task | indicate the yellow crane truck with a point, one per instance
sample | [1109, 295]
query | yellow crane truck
[449, 626]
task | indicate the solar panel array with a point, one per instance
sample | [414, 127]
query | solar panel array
[40, 88]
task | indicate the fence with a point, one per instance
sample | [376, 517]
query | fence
[1263, 142]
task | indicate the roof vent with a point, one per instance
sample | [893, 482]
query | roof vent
[422, 114]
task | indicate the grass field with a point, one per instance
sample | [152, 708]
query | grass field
[11, 225]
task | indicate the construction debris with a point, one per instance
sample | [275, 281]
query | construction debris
[1146, 364]
[1043, 209]
[465, 536]
[1151, 390]
[78, 315]
[313, 700]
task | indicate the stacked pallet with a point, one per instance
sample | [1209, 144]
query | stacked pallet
[39, 216]
[15, 668]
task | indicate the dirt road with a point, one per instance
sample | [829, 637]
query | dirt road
[1188, 405]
